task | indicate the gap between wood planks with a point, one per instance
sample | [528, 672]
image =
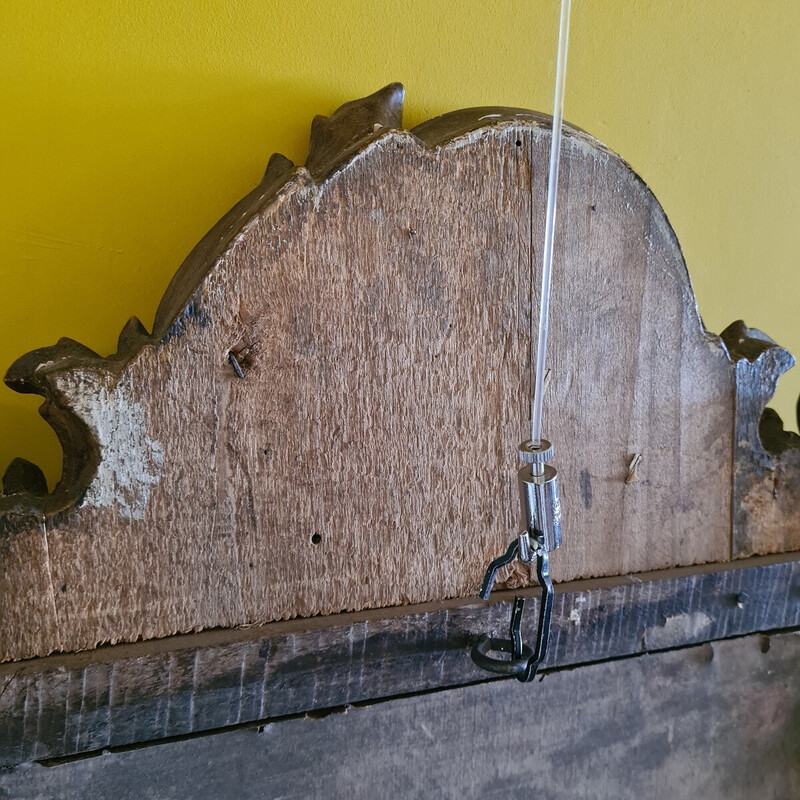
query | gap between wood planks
[219, 636]
[322, 713]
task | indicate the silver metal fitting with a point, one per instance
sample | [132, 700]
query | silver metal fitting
[535, 455]
[541, 503]
[527, 551]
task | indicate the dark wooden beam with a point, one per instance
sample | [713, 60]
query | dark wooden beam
[125, 694]
[710, 721]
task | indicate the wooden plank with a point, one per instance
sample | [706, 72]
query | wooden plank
[766, 490]
[710, 721]
[116, 696]
[359, 450]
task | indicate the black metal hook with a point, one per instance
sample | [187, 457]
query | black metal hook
[491, 572]
[523, 662]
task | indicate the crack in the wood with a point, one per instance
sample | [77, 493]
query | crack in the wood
[48, 566]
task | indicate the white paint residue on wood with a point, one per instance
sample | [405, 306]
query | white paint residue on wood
[686, 626]
[130, 461]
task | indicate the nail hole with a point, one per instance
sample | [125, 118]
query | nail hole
[519, 143]
[241, 357]
[316, 538]
[593, 207]
[64, 588]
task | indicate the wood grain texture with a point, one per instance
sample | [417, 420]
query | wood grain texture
[378, 304]
[127, 694]
[723, 725]
[766, 489]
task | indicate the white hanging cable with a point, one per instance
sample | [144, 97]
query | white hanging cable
[538, 480]
[549, 226]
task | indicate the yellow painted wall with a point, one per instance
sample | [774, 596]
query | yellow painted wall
[128, 128]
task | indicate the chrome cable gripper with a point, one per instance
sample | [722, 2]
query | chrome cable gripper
[541, 533]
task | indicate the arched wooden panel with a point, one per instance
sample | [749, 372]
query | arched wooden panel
[326, 415]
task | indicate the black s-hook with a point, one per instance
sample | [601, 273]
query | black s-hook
[523, 662]
[541, 514]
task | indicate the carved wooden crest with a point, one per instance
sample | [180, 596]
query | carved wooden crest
[326, 414]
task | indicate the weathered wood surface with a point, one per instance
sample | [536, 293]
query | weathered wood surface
[377, 304]
[766, 488]
[716, 721]
[117, 696]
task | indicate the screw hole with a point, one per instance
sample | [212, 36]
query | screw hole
[316, 538]
[519, 142]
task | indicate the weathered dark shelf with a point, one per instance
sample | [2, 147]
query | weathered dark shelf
[715, 721]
